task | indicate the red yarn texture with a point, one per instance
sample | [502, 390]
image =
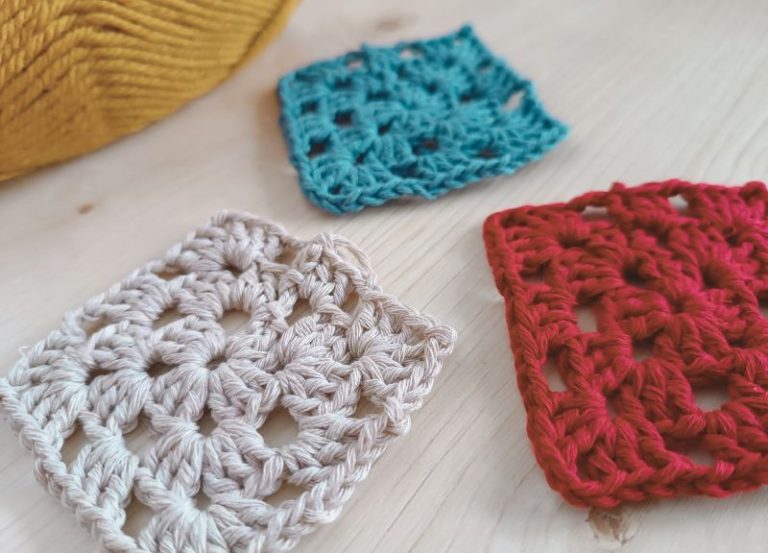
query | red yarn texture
[675, 293]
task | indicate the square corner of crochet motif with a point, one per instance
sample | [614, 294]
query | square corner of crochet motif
[419, 118]
[636, 317]
[234, 391]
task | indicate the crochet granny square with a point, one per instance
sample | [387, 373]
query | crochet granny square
[674, 275]
[417, 119]
[323, 346]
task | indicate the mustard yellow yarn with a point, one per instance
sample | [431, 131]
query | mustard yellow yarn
[77, 74]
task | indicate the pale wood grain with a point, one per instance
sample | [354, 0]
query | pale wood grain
[652, 89]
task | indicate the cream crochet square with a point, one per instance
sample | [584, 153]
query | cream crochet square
[322, 341]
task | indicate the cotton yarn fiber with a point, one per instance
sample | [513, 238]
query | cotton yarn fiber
[78, 74]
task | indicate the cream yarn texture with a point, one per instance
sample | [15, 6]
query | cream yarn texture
[322, 340]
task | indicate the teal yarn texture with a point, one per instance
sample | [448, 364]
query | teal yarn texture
[417, 119]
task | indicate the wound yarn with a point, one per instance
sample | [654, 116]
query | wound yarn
[77, 74]
[674, 275]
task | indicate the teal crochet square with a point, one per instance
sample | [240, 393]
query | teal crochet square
[417, 119]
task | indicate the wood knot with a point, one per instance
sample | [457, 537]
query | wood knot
[614, 525]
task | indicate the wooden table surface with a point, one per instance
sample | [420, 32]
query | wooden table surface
[652, 89]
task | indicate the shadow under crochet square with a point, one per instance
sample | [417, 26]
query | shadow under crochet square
[417, 119]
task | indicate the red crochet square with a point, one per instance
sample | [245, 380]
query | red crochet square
[674, 274]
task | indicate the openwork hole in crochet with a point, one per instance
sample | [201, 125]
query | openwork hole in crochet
[227, 397]
[665, 391]
[234, 320]
[280, 428]
[167, 317]
[417, 119]
[141, 439]
[138, 517]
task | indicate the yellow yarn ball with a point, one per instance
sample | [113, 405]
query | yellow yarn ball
[77, 74]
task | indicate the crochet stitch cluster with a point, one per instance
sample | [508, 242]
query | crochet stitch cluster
[417, 119]
[348, 362]
[676, 292]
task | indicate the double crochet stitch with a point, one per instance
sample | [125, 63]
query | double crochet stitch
[417, 119]
[324, 344]
[675, 275]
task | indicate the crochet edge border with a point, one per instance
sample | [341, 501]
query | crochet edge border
[506, 279]
[47, 467]
[301, 162]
